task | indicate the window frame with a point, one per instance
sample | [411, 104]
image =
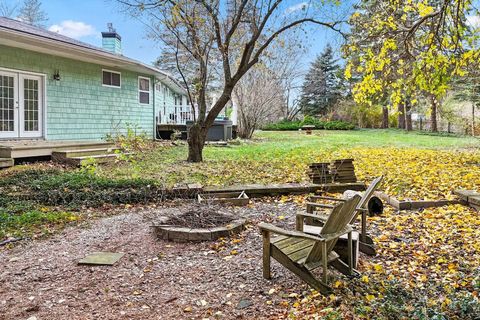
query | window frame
[109, 85]
[144, 91]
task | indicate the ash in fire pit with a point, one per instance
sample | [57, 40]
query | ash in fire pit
[201, 217]
[198, 223]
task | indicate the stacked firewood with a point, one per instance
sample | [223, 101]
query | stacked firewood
[341, 170]
[320, 173]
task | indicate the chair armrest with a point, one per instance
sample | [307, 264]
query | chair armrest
[327, 198]
[298, 234]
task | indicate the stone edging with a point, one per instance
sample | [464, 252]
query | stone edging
[183, 234]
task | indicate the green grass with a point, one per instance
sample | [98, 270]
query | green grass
[271, 156]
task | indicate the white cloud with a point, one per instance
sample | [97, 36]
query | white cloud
[297, 7]
[474, 21]
[73, 29]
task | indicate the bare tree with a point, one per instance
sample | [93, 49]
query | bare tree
[260, 98]
[7, 10]
[234, 34]
[31, 12]
[263, 94]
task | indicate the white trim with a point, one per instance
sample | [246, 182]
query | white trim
[14, 133]
[23, 71]
[149, 90]
[111, 86]
[19, 132]
[21, 99]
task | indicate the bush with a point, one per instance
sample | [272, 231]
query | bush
[286, 125]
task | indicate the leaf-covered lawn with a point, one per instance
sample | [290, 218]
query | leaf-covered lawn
[416, 166]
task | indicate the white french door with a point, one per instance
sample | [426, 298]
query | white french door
[21, 105]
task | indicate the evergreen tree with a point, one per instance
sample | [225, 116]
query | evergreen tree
[32, 13]
[322, 86]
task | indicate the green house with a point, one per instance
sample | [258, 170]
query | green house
[56, 88]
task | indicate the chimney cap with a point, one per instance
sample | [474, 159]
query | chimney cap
[111, 33]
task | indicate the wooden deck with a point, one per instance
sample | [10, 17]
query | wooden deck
[13, 149]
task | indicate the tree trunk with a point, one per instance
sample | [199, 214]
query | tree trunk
[408, 116]
[433, 118]
[385, 123]
[401, 116]
[196, 141]
[473, 119]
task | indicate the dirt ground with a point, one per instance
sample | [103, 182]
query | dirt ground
[154, 280]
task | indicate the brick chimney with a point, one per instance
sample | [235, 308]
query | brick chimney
[111, 40]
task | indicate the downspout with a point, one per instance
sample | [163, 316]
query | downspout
[155, 130]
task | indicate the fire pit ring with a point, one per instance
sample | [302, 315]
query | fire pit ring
[165, 230]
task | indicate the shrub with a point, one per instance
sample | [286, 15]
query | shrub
[286, 125]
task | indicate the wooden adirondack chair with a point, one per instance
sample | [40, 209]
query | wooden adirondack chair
[366, 243]
[301, 253]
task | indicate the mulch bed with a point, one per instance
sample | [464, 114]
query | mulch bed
[155, 279]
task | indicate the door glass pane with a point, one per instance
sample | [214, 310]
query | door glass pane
[30, 102]
[7, 121]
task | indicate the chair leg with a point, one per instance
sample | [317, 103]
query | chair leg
[299, 223]
[301, 271]
[350, 253]
[367, 248]
[343, 268]
[363, 234]
[266, 254]
[324, 262]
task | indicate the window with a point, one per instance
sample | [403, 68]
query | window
[144, 90]
[111, 78]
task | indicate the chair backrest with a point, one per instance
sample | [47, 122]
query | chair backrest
[369, 192]
[339, 217]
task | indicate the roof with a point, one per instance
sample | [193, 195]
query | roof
[23, 35]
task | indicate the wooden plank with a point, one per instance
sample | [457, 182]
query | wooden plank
[475, 200]
[6, 162]
[258, 190]
[298, 246]
[289, 241]
[464, 194]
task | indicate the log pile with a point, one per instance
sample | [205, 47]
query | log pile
[341, 171]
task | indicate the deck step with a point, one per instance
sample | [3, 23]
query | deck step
[99, 158]
[6, 162]
[83, 152]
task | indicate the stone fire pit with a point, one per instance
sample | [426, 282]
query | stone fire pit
[198, 223]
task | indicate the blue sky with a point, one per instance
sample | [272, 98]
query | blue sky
[86, 19]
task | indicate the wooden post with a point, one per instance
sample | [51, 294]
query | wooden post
[299, 223]
[350, 253]
[324, 262]
[266, 254]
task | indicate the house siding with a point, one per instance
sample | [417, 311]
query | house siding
[78, 106]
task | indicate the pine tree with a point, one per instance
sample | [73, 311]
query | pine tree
[32, 13]
[322, 86]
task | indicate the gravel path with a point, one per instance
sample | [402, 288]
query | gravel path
[154, 280]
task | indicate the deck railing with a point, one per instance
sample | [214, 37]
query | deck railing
[178, 114]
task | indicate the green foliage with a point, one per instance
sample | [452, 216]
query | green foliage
[134, 139]
[29, 222]
[323, 85]
[286, 125]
